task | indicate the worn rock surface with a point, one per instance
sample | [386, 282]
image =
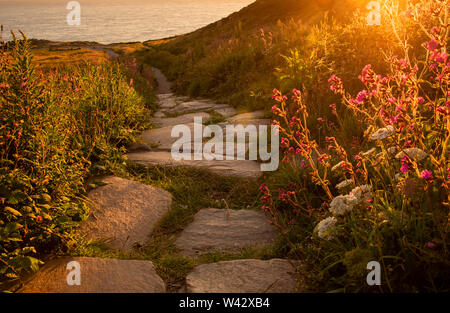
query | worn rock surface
[225, 230]
[96, 276]
[245, 117]
[159, 114]
[182, 119]
[238, 168]
[195, 106]
[226, 111]
[162, 138]
[243, 276]
[125, 211]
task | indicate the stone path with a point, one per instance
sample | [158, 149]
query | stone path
[176, 110]
[124, 213]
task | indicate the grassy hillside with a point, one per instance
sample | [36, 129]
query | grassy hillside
[239, 59]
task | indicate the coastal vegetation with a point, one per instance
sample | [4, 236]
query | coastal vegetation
[363, 111]
[364, 118]
[61, 122]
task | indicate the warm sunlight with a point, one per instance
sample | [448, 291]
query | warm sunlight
[229, 154]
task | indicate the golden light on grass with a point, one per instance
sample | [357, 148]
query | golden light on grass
[49, 58]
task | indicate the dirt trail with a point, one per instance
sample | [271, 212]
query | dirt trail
[164, 86]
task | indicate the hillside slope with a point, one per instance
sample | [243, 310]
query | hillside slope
[241, 58]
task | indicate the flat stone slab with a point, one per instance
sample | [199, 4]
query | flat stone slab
[182, 119]
[96, 276]
[225, 230]
[167, 101]
[162, 137]
[243, 276]
[245, 117]
[194, 106]
[237, 168]
[159, 114]
[226, 111]
[125, 211]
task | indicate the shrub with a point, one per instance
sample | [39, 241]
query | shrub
[389, 202]
[54, 126]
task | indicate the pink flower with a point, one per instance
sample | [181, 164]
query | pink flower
[361, 97]
[405, 168]
[131, 82]
[409, 13]
[431, 245]
[432, 45]
[439, 57]
[426, 174]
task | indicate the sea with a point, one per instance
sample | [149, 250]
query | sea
[111, 21]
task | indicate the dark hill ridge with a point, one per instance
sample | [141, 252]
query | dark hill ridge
[265, 13]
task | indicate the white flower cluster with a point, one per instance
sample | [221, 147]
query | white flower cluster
[325, 227]
[337, 166]
[362, 193]
[413, 153]
[345, 203]
[392, 150]
[370, 152]
[344, 184]
[383, 133]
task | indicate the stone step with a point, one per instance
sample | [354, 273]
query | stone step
[180, 120]
[162, 138]
[237, 168]
[96, 276]
[194, 106]
[246, 117]
[225, 230]
[243, 276]
[125, 211]
[226, 111]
